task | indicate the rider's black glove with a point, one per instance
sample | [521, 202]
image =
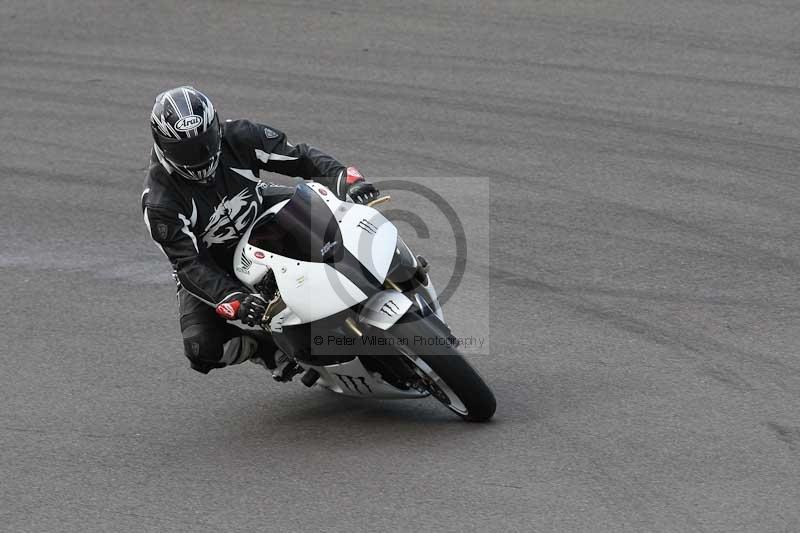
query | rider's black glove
[359, 190]
[363, 192]
[249, 308]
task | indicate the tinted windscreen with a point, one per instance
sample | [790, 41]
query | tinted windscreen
[304, 229]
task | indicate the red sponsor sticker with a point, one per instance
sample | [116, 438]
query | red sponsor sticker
[259, 255]
[323, 191]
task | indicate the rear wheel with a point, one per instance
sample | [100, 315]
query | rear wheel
[442, 370]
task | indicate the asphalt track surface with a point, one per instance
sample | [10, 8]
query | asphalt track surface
[641, 213]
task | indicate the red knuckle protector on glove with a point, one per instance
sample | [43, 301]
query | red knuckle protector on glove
[353, 175]
[228, 311]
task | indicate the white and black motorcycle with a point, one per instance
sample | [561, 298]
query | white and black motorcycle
[353, 306]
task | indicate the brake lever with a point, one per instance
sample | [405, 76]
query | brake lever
[379, 201]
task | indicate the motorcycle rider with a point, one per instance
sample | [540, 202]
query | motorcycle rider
[201, 193]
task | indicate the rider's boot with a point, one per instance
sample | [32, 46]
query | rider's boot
[282, 367]
[285, 367]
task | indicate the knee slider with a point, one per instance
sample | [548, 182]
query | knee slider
[203, 348]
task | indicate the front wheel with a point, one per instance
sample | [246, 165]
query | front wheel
[443, 371]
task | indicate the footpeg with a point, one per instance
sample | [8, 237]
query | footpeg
[310, 377]
[286, 373]
[285, 367]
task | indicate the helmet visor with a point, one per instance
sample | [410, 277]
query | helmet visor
[194, 151]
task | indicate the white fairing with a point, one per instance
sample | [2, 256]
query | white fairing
[312, 291]
[384, 309]
[370, 237]
[352, 379]
[367, 234]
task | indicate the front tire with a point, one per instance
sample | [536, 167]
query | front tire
[449, 377]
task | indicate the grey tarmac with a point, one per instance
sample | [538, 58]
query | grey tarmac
[638, 266]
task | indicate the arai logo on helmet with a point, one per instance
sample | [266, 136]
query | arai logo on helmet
[189, 122]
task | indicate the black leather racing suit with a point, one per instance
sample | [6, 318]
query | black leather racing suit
[198, 227]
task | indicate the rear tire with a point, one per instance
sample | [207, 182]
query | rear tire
[477, 402]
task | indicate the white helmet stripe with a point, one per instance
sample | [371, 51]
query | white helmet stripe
[208, 115]
[193, 132]
[160, 123]
[172, 130]
[188, 103]
[177, 109]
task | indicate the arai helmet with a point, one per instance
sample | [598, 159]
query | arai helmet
[187, 133]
